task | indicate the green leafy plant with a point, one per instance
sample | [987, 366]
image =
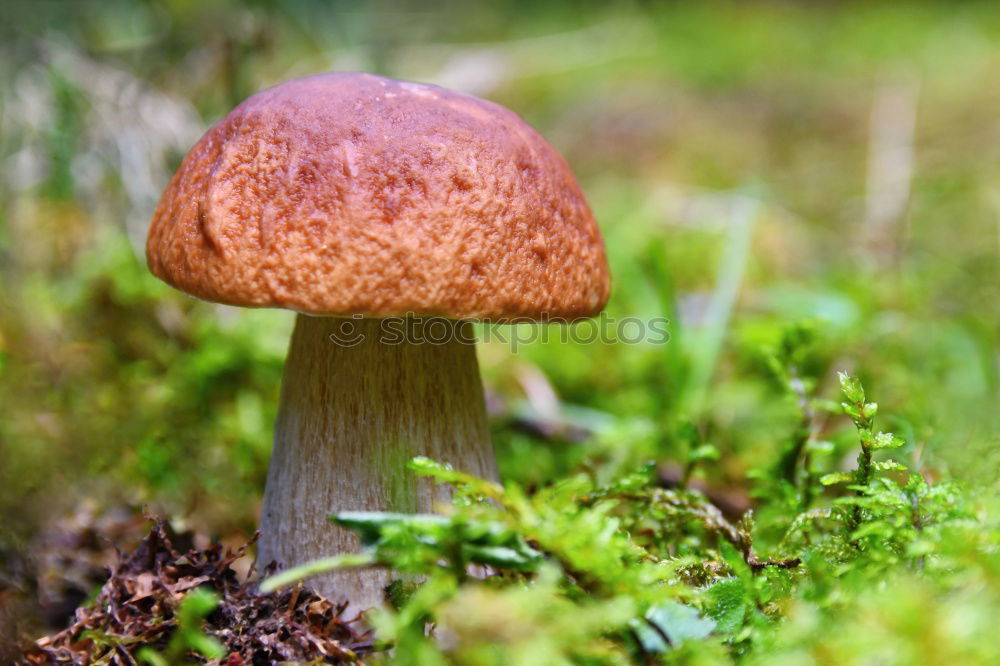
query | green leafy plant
[189, 635]
[629, 571]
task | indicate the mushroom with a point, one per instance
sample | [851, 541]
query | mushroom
[351, 198]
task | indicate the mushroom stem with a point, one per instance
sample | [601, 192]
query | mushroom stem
[360, 398]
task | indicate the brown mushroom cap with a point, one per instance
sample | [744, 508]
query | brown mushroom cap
[348, 193]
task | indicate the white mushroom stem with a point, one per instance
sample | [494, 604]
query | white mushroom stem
[350, 419]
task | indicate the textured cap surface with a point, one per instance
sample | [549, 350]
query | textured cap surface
[354, 194]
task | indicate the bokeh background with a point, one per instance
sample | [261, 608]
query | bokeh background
[753, 165]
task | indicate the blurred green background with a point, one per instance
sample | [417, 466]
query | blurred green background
[751, 164]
